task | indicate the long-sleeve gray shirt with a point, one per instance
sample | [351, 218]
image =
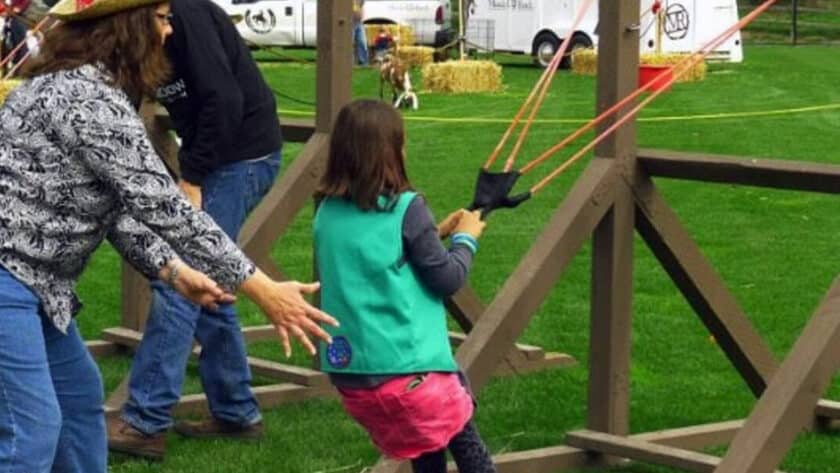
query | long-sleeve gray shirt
[442, 270]
[76, 167]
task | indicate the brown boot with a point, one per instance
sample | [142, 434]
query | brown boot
[124, 438]
[215, 428]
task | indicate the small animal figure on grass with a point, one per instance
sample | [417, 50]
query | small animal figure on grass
[394, 72]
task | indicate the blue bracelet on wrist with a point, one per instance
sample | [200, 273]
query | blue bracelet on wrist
[465, 239]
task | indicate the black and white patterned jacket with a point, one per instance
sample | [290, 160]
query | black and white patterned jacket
[76, 167]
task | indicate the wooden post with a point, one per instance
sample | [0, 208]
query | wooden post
[660, 29]
[612, 257]
[335, 60]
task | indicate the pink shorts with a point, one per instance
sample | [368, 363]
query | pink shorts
[406, 419]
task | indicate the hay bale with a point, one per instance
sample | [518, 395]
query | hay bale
[415, 56]
[6, 86]
[462, 76]
[585, 62]
[403, 34]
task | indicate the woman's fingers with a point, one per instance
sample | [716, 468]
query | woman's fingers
[211, 295]
[294, 317]
[308, 288]
[309, 310]
[315, 330]
[298, 333]
[284, 340]
[318, 315]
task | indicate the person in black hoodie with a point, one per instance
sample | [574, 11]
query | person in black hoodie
[225, 115]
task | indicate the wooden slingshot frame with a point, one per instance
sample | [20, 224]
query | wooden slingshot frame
[270, 219]
[615, 195]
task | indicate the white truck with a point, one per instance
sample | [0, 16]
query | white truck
[537, 27]
[293, 22]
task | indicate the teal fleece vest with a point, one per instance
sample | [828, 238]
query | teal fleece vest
[390, 323]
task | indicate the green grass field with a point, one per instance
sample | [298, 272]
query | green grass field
[776, 250]
[814, 25]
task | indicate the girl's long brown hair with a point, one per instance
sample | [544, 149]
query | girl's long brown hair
[127, 44]
[366, 154]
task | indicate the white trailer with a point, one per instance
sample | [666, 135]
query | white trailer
[537, 27]
[688, 25]
[293, 22]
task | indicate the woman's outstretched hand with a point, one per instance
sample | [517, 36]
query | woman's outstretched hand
[283, 304]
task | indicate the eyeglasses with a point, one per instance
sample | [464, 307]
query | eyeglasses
[165, 18]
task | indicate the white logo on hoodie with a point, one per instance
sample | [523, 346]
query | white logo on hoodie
[173, 91]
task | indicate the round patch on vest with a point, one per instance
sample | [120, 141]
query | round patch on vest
[339, 353]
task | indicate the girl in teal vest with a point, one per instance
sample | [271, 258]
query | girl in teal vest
[384, 275]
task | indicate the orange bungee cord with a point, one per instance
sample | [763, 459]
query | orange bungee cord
[677, 71]
[493, 189]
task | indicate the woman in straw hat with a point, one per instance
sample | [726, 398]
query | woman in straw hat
[76, 167]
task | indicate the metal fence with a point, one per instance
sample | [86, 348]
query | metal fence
[795, 22]
[480, 35]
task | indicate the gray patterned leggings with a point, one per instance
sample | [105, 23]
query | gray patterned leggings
[468, 450]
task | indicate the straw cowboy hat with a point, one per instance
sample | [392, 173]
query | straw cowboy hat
[74, 10]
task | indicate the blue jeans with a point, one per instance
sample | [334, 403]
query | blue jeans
[51, 416]
[360, 44]
[157, 374]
